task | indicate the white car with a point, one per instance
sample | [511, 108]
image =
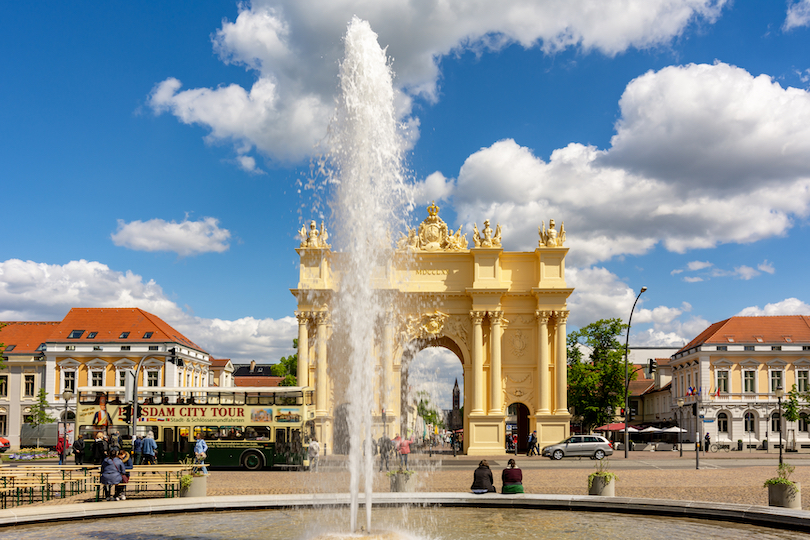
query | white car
[593, 446]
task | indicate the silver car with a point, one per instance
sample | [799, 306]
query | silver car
[593, 446]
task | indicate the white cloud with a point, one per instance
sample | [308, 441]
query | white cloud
[746, 272]
[698, 265]
[435, 370]
[798, 14]
[433, 188]
[31, 291]
[767, 267]
[744, 177]
[184, 238]
[295, 45]
[788, 306]
[692, 279]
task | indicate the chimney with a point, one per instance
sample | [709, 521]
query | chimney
[252, 366]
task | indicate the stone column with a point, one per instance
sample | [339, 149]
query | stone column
[543, 387]
[321, 386]
[496, 321]
[561, 364]
[303, 348]
[388, 393]
[477, 362]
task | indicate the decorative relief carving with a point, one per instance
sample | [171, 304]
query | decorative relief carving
[511, 378]
[519, 343]
[426, 326]
[314, 238]
[487, 238]
[433, 235]
[525, 319]
[550, 237]
[458, 326]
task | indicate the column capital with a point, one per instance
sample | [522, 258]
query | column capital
[561, 316]
[542, 316]
[303, 316]
[321, 317]
[496, 317]
[477, 317]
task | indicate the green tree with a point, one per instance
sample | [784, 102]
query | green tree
[790, 405]
[427, 411]
[596, 384]
[39, 410]
[2, 349]
[287, 367]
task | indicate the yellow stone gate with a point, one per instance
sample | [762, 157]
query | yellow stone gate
[503, 313]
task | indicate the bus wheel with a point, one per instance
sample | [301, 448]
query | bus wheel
[252, 461]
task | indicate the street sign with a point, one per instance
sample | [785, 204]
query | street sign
[708, 420]
[701, 417]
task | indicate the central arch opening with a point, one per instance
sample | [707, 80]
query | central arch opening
[431, 369]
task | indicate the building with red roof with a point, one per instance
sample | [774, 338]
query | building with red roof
[730, 374]
[91, 347]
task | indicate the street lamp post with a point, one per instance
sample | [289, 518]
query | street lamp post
[67, 395]
[779, 395]
[680, 429]
[627, 375]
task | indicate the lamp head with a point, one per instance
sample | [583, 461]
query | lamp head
[680, 402]
[780, 393]
[67, 395]
[643, 289]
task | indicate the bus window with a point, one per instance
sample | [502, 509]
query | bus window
[309, 398]
[209, 433]
[182, 436]
[233, 433]
[257, 433]
[226, 399]
[266, 400]
[213, 399]
[252, 399]
[281, 435]
[239, 399]
[295, 438]
[88, 432]
[143, 429]
[199, 399]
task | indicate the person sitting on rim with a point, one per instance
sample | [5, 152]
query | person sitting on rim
[482, 479]
[512, 479]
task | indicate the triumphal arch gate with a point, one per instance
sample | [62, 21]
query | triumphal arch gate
[503, 313]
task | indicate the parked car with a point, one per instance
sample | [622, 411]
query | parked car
[593, 446]
[4, 444]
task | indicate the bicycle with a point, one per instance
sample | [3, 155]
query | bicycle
[717, 447]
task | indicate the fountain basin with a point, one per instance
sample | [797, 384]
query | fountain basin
[780, 518]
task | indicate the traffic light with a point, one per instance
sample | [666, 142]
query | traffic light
[652, 365]
[172, 358]
[127, 410]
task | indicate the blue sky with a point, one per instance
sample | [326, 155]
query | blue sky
[151, 154]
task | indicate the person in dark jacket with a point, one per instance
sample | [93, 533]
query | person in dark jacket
[100, 448]
[512, 478]
[532, 444]
[121, 489]
[78, 450]
[112, 471]
[482, 479]
[137, 449]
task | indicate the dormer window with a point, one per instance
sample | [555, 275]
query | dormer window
[788, 339]
[10, 348]
[759, 339]
[92, 335]
[124, 335]
[41, 347]
[147, 335]
[730, 339]
[75, 334]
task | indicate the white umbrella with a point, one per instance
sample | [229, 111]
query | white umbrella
[673, 429]
[651, 430]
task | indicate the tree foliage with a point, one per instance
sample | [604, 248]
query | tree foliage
[39, 410]
[287, 367]
[596, 384]
[2, 349]
[427, 411]
[790, 406]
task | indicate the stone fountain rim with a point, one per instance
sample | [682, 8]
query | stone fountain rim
[765, 516]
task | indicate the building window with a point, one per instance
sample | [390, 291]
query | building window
[804, 420]
[776, 380]
[75, 334]
[775, 422]
[153, 347]
[3, 424]
[722, 348]
[749, 381]
[748, 347]
[722, 381]
[29, 386]
[70, 347]
[3, 385]
[722, 423]
[802, 379]
[69, 382]
[147, 335]
[98, 348]
[124, 347]
[9, 348]
[122, 378]
[152, 378]
[750, 422]
[92, 335]
[124, 335]
[96, 378]
[776, 347]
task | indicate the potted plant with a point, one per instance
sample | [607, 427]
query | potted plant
[739, 445]
[193, 483]
[782, 491]
[400, 481]
[602, 482]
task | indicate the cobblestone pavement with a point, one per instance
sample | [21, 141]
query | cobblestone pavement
[648, 476]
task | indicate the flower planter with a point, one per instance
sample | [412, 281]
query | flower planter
[603, 488]
[785, 495]
[197, 488]
[401, 483]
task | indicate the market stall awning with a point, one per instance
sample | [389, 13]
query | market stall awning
[618, 426]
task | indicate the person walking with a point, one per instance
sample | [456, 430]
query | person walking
[60, 449]
[200, 452]
[149, 449]
[137, 449]
[708, 442]
[112, 471]
[314, 454]
[404, 451]
[78, 450]
[385, 451]
[482, 479]
[512, 478]
[532, 444]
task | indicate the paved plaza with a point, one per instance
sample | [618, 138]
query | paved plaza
[734, 477]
